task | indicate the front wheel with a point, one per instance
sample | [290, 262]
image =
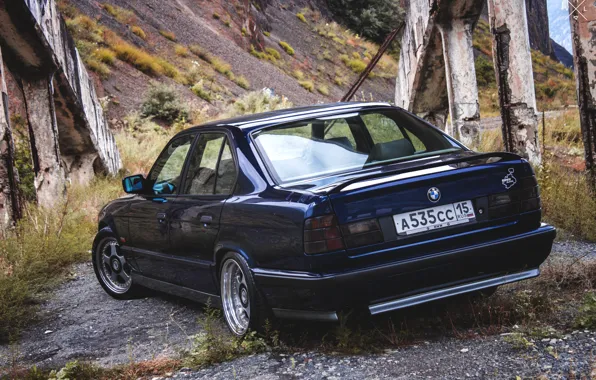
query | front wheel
[242, 304]
[111, 268]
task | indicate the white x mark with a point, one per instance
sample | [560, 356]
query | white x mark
[576, 9]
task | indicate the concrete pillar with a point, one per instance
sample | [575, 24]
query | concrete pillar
[50, 176]
[515, 78]
[583, 31]
[462, 88]
[9, 200]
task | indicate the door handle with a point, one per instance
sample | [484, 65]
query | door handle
[206, 219]
[161, 217]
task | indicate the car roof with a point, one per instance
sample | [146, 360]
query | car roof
[289, 114]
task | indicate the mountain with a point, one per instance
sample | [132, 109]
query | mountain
[558, 17]
[563, 56]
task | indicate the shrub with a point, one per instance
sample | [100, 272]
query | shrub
[97, 66]
[137, 30]
[242, 82]
[587, 312]
[256, 102]
[169, 35]
[201, 92]
[105, 55]
[307, 85]
[273, 52]
[140, 59]
[201, 53]
[287, 48]
[323, 89]
[485, 72]
[357, 65]
[162, 102]
[301, 17]
[181, 51]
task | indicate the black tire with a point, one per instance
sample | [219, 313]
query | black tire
[103, 242]
[259, 311]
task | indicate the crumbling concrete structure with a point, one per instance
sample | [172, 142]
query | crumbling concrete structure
[583, 29]
[70, 139]
[437, 76]
[9, 202]
[515, 78]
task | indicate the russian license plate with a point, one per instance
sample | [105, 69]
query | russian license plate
[434, 218]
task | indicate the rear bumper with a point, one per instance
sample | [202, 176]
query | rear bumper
[407, 282]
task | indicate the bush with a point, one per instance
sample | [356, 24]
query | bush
[307, 85]
[105, 55]
[137, 30]
[242, 82]
[373, 19]
[301, 17]
[485, 72]
[181, 51]
[169, 35]
[287, 48]
[357, 65]
[201, 92]
[323, 89]
[140, 59]
[162, 102]
[201, 53]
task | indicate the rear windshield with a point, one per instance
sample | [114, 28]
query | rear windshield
[349, 142]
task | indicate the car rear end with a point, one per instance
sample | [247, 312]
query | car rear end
[415, 230]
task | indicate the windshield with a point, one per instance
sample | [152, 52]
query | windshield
[330, 145]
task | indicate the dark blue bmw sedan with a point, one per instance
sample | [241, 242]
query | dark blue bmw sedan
[305, 212]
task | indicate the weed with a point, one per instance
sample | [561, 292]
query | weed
[169, 35]
[323, 89]
[307, 85]
[357, 65]
[201, 92]
[138, 31]
[242, 82]
[181, 51]
[140, 59]
[587, 312]
[339, 81]
[273, 52]
[76, 370]
[267, 34]
[162, 102]
[301, 17]
[518, 341]
[491, 140]
[287, 48]
[201, 53]
[105, 55]
[298, 74]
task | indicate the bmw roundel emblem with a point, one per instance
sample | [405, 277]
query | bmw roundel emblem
[433, 194]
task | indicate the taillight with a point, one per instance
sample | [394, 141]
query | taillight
[322, 234]
[527, 198]
[362, 233]
[530, 194]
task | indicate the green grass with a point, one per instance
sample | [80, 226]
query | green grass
[287, 48]
[301, 17]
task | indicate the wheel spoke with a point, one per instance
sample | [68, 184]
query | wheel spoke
[106, 260]
[113, 250]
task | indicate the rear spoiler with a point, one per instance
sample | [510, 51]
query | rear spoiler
[483, 156]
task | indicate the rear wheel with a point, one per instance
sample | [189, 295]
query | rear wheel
[111, 268]
[242, 304]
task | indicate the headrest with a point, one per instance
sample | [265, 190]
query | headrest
[391, 150]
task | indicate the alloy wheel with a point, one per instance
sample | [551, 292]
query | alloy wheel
[235, 297]
[113, 268]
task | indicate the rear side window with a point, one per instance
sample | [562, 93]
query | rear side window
[212, 169]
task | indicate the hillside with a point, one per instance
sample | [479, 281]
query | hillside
[206, 47]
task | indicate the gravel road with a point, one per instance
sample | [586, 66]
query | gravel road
[82, 322]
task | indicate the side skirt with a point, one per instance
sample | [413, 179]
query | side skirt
[177, 290]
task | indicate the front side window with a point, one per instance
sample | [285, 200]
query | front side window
[165, 176]
[323, 146]
[212, 169]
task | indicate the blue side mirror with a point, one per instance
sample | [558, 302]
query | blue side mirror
[133, 184]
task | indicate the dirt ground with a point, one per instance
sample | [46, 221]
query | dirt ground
[82, 322]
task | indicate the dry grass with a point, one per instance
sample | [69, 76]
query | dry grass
[242, 82]
[138, 58]
[138, 31]
[307, 85]
[124, 16]
[105, 55]
[287, 48]
[169, 35]
[181, 51]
